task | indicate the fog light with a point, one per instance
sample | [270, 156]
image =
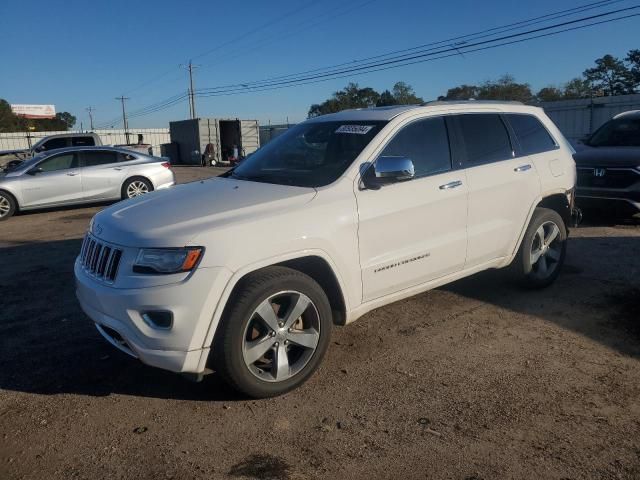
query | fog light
[158, 319]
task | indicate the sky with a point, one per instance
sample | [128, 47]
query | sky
[76, 54]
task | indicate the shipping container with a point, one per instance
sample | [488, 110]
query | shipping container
[211, 141]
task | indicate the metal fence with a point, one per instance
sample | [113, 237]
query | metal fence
[153, 136]
[578, 118]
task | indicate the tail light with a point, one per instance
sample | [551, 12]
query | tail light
[166, 164]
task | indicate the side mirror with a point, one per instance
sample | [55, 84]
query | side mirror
[394, 169]
[34, 171]
[387, 170]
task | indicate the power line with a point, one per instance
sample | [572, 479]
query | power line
[419, 55]
[487, 32]
[430, 59]
[366, 67]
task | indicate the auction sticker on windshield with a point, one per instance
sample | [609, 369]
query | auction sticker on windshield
[357, 129]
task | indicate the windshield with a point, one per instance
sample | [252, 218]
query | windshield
[309, 154]
[621, 132]
[20, 164]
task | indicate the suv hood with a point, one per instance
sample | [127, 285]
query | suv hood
[173, 217]
[608, 157]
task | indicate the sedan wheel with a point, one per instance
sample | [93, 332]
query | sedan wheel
[7, 206]
[137, 188]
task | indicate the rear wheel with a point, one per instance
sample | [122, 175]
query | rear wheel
[134, 187]
[7, 206]
[542, 251]
[275, 334]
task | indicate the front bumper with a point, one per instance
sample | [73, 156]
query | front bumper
[117, 315]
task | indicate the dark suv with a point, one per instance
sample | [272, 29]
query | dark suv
[608, 165]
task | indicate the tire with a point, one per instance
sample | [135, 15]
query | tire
[8, 205]
[543, 249]
[247, 329]
[136, 186]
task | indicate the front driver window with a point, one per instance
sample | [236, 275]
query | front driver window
[59, 162]
[426, 143]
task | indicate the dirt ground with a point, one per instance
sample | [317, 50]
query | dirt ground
[477, 380]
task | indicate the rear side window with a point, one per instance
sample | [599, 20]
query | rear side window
[426, 143]
[485, 138]
[532, 135]
[83, 141]
[94, 159]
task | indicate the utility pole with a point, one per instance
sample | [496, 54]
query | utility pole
[91, 110]
[124, 117]
[192, 101]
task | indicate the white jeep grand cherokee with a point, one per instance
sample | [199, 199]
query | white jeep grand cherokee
[246, 273]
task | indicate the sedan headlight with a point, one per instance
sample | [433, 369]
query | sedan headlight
[167, 260]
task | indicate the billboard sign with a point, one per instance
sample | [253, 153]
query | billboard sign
[34, 111]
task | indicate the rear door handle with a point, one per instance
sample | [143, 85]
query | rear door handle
[522, 168]
[72, 174]
[454, 184]
[117, 168]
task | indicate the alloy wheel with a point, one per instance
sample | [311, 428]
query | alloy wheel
[5, 206]
[137, 188]
[546, 250]
[281, 336]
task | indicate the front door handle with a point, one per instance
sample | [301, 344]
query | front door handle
[72, 174]
[450, 185]
[522, 168]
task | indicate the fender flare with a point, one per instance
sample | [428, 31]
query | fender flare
[252, 267]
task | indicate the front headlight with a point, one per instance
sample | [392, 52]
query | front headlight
[167, 260]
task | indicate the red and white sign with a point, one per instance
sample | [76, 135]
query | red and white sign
[34, 111]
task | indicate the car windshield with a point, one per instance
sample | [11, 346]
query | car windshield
[18, 164]
[310, 154]
[621, 132]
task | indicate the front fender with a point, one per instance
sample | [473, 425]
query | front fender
[241, 273]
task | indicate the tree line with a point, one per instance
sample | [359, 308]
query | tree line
[609, 76]
[10, 122]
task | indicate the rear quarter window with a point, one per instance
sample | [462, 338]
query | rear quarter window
[532, 135]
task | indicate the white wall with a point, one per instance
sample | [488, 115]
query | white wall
[579, 118]
[153, 136]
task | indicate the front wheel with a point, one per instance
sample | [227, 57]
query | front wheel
[7, 206]
[274, 334]
[543, 249]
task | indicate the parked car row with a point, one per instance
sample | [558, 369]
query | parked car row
[10, 158]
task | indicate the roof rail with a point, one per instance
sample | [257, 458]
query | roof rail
[466, 102]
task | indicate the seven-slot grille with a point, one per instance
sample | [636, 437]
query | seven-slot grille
[99, 259]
